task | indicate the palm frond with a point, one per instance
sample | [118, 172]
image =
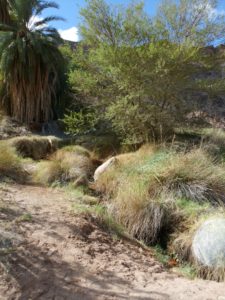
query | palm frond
[5, 27]
[47, 20]
[30, 60]
[44, 5]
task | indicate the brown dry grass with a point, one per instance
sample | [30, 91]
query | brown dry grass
[47, 172]
[145, 188]
[158, 195]
[10, 163]
[35, 147]
[69, 164]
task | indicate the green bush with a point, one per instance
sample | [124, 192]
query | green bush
[80, 122]
[133, 72]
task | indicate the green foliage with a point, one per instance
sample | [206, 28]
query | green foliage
[80, 122]
[30, 61]
[4, 13]
[195, 21]
[161, 255]
[24, 218]
[192, 209]
[188, 270]
[104, 24]
[134, 72]
[150, 112]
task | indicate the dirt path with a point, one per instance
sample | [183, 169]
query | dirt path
[65, 257]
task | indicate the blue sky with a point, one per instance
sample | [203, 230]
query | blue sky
[69, 9]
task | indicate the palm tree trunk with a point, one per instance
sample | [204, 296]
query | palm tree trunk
[4, 12]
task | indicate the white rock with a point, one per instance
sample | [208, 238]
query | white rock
[100, 170]
[209, 243]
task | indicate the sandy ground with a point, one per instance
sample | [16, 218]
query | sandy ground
[62, 256]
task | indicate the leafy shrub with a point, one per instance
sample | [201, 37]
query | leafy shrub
[130, 68]
[80, 122]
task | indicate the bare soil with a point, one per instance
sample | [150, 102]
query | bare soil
[62, 256]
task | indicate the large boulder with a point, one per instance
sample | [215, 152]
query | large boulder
[209, 243]
[104, 167]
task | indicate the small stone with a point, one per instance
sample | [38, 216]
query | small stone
[90, 251]
[51, 252]
[68, 279]
[125, 264]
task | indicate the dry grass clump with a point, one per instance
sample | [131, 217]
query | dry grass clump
[152, 223]
[35, 147]
[141, 210]
[69, 164]
[47, 172]
[145, 188]
[194, 176]
[10, 163]
[215, 135]
[214, 142]
[123, 169]
[78, 150]
[159, 196]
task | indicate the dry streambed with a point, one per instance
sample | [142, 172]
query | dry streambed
[57, 255]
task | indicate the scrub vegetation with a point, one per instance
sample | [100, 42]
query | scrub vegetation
[146, 90]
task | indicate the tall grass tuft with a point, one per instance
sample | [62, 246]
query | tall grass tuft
[214, 142]
[69, 164]
[145, 189]
[10, 163]
[35, 147]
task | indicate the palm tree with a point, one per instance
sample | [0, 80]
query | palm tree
[30, 60]
[4, 13]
